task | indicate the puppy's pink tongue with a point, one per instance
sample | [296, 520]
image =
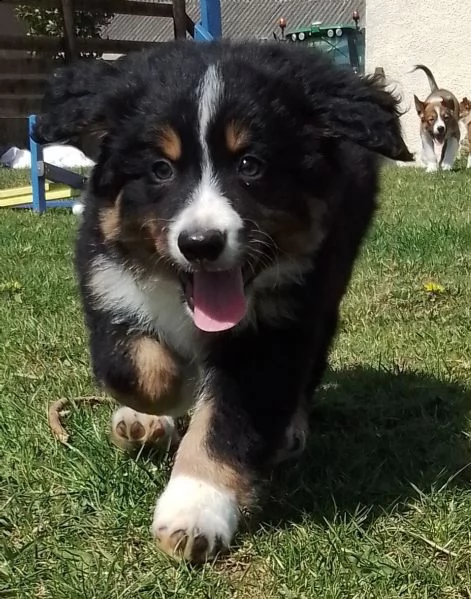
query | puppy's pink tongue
[219, 300]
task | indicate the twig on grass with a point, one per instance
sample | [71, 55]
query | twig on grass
[57, 410]
[430, 543]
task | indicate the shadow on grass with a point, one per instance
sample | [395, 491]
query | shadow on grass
[374, 434]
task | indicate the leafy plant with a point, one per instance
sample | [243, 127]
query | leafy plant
[49, 22]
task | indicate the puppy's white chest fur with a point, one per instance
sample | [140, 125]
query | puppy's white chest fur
[156, 304]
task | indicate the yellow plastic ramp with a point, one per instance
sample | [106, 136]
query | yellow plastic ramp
[17, 196]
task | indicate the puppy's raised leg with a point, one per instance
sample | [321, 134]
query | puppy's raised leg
[451, 150]
[142, 374]
[138, 370]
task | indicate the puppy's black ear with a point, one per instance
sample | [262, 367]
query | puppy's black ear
[362, 111]
[75, 107]
[342, 104]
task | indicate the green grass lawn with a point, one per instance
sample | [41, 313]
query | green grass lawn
[380, 505]
[13, 178]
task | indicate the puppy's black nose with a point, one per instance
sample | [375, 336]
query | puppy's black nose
[202, 245]
[440, 129]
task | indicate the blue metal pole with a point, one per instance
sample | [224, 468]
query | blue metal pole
[210, 26]
[38, 180]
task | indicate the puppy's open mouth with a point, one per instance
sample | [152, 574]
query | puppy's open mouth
[216, 298]
[439, 138]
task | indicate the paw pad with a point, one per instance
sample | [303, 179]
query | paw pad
[133, 430]
[194, 520]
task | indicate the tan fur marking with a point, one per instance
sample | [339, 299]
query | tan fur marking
[158, 234]
[465, 116]
[157, 376]
[419, 106]
[294, 242]
[170, 143]
[293, 236]
[237, 137]
[110, 222]
[465, 109]
[193, 459]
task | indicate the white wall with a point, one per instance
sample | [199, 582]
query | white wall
[401, 33]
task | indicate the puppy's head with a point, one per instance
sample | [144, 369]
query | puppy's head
[465, 108]
[219, 162]
[435, 117]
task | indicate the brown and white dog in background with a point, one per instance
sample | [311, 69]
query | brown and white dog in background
[439, 129]
[465, 118]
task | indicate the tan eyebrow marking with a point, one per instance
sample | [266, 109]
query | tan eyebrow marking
[237, 136]
[170, 143]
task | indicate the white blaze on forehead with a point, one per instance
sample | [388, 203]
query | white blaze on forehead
[210, 93]
[439, 122]
[207, 207]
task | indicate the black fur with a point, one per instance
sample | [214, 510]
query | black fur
[317, 128]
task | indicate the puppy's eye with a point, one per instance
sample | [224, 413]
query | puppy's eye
[251, 167]
[163, 170]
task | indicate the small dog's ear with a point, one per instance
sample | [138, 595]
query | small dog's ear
[75, 107]
[362, 111]
[448, 103]
[419, 106]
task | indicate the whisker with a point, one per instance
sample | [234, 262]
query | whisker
[159, 220]
[251, 265]
[260, 257]
[260, 242]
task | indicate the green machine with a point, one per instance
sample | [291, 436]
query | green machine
[344, 43]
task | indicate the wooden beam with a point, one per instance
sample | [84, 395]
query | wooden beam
[190, 26]
[24, 66]
[21, 86]
[56, 45]
[69, 29]
[179, 19]
[23, 106]
[123, 7]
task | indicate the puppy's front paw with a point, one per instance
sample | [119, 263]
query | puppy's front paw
[295, 438]
[195, 520]
[431, 168]
[447, 167]
[132, 430]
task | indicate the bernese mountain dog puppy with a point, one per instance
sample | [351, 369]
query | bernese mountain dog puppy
[233, 186]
